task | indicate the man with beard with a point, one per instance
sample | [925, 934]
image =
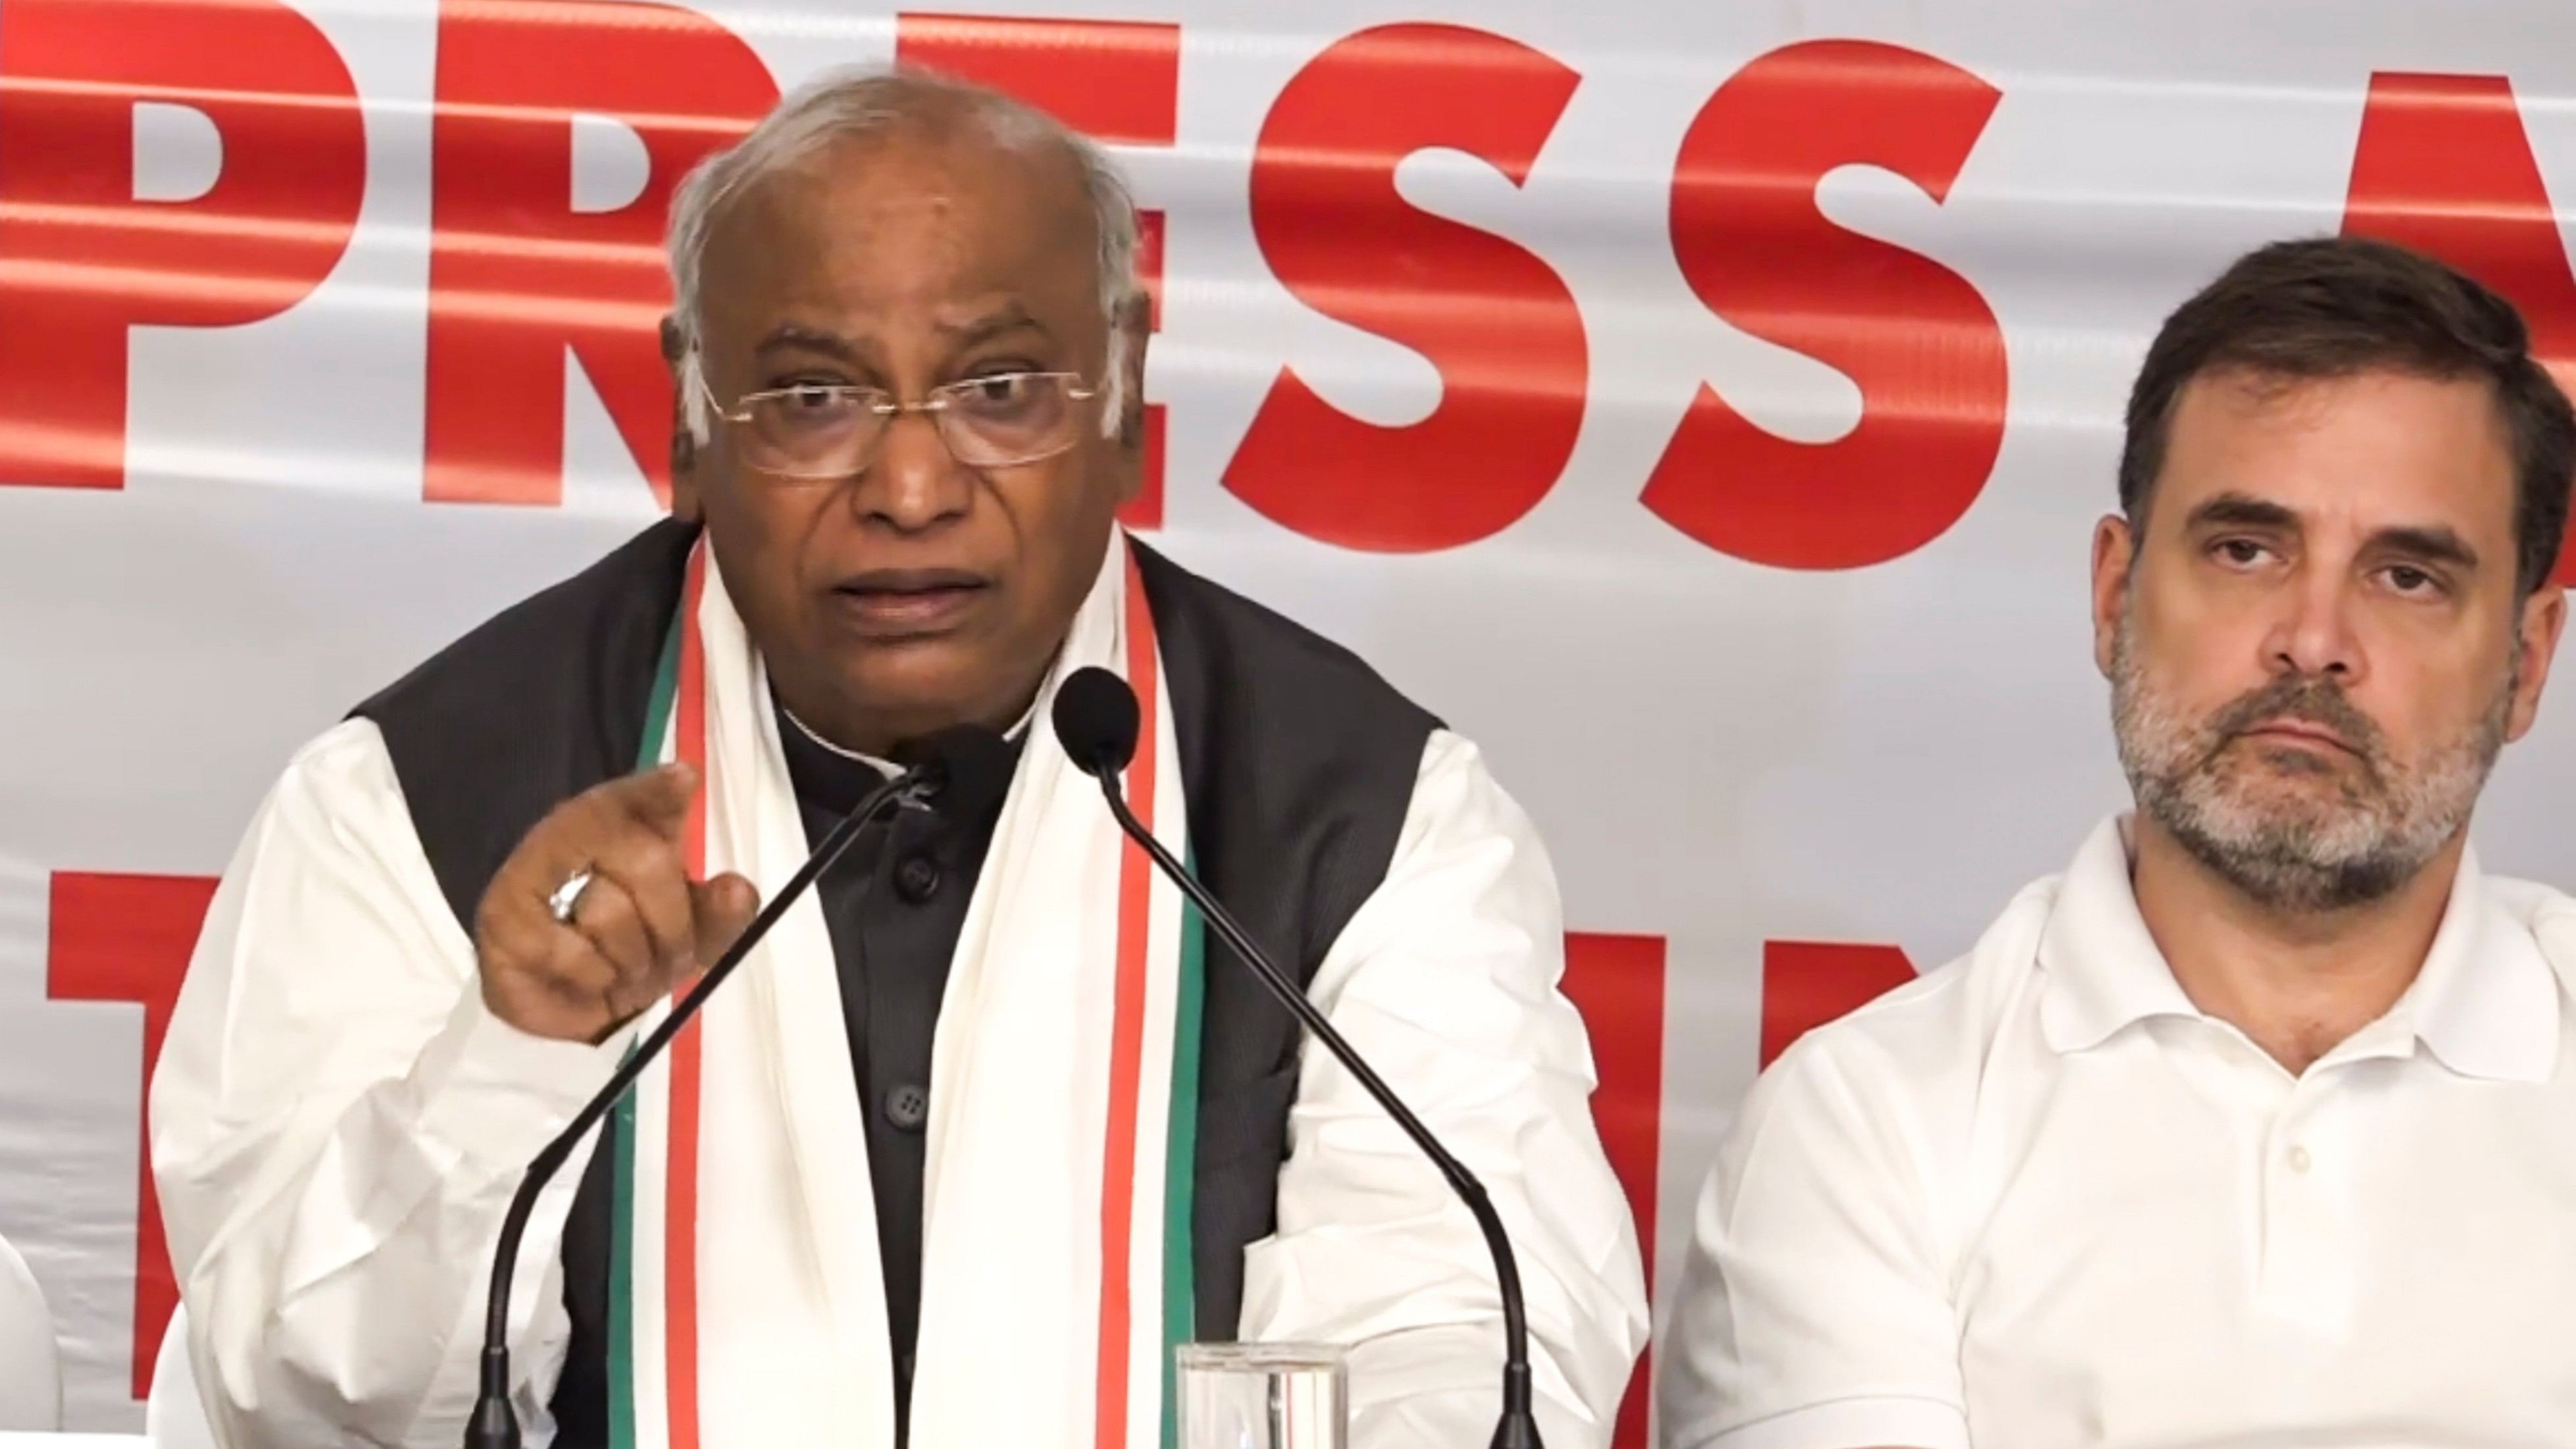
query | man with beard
[2257, 1125]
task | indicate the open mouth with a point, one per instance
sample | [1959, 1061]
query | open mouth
[898, 602]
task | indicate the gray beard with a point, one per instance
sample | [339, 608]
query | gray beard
[2371, 837]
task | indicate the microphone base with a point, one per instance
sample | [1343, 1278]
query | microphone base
[493, 1425]
[1516, 1431]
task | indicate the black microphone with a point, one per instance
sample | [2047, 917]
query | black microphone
[962, 770]
[1095, 721]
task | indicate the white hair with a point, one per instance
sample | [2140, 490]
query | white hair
[873, 101]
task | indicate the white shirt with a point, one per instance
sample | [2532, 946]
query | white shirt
[338, 1123]
[2036, 1200]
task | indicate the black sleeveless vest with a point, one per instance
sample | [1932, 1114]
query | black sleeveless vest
[1298, 761]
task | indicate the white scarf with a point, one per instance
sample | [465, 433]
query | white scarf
[747, 1302]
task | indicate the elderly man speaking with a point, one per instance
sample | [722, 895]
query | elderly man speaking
[972, 1141]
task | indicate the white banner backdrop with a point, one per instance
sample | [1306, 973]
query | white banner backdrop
[1702, 406]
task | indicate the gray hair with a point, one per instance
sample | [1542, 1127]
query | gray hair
[874, 101]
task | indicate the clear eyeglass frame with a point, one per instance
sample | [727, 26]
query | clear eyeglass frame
[978, 440]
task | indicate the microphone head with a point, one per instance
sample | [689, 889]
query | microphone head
[1095, 720]
[970, 767]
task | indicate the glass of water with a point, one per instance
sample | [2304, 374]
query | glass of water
[1263, 1396]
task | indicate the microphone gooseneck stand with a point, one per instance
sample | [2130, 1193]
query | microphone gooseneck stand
[965, 755]
[1096, 720]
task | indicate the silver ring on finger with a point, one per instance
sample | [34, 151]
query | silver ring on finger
[567, 897]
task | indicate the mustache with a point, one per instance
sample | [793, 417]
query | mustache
[2307, 697]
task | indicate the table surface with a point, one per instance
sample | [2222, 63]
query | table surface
[9, 1440]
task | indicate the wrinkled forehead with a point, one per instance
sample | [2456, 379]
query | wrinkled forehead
[893, 229]
[2369, 450]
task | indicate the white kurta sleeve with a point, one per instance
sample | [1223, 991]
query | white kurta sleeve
[1814, 1309]
[338, 1124]
[1445, 979]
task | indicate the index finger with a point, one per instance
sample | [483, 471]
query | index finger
[657, 799]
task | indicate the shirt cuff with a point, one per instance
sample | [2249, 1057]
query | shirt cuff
[496, 1094]
[1891, 1421]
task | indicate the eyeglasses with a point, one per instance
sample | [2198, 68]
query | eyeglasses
[816, 432]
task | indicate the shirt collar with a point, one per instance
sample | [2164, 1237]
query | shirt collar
[889, 768]
[2102, 968]
[2485, 1002]
[832, 779]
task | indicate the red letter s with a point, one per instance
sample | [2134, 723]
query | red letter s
[1917, 338]
[1496, 321]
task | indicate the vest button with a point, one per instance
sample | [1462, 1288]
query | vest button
[908, 1107]
[917, 879]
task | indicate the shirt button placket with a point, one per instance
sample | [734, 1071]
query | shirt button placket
[2307, 1222]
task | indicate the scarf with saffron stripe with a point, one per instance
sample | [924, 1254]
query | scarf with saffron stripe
[747, 1306]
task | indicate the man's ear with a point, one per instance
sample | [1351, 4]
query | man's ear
[2115, 560]
[1135, 325]
[684, 445]
[2535, 643]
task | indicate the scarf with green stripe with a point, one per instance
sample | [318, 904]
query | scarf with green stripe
[747, 1305]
